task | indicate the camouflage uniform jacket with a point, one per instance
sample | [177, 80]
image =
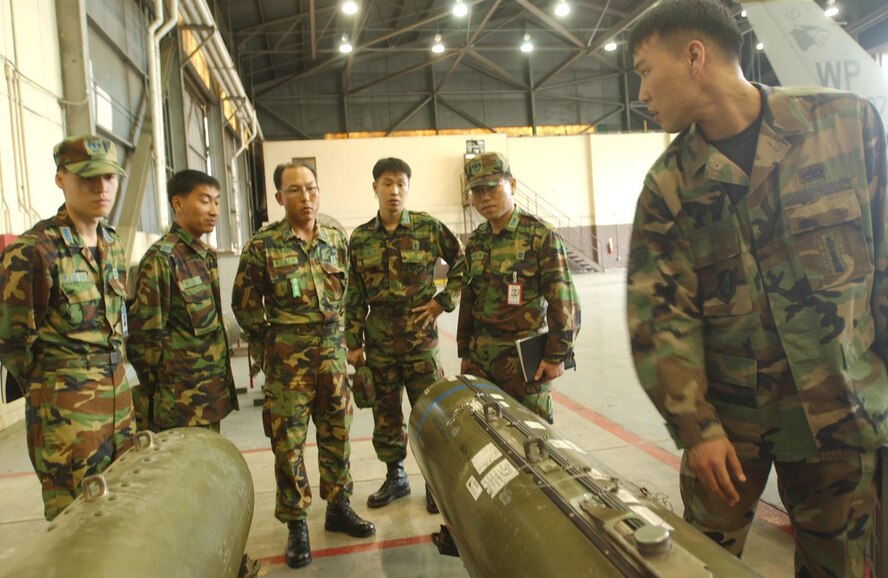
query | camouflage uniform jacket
[396, 271]
[52, 308]
[766, 318]
[281, 282]
[177, 341]
[530, 253]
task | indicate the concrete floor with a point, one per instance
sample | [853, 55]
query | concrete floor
[600, 406]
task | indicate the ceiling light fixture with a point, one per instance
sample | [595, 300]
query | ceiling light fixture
[831, 9]
[460, 9]
[562, 9]
[438, 46]
[760, 46]
[610, 46]
[345, 46]
[743, 13]
[349, 7]
[526, 44]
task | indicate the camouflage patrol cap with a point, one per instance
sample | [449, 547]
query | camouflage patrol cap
[87, 155]
[486, 169]
[363, 390]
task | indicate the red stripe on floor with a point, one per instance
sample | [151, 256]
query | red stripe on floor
[16, 475]
[617, 430]
[354, 549]
[765, 512]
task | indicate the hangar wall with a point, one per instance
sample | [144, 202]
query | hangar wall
[595, 179]
[100, 47]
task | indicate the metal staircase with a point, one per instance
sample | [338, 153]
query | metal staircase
[580, 243]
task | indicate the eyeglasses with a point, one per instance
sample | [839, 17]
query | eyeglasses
[312, 190]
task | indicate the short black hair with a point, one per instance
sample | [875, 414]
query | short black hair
[391, 165]
[279, 171]
[672, 18]
[183, 182]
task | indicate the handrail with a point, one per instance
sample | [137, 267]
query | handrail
[571, 230]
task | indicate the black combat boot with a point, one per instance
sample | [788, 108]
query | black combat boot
[396, 485]
[341, 518]
[431, 506]
[298, 549]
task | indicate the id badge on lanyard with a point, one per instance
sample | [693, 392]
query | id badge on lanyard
[514, 292]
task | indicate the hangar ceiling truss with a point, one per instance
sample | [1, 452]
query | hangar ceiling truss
[287, 52]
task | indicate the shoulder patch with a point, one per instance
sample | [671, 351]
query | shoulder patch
[67, 235]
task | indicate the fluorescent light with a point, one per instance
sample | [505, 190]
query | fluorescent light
[438, 46]
[760, 46]
[562, 9]
[460, 9]
[345, 46]
[526, 44]
[350, 7]
[610, 46]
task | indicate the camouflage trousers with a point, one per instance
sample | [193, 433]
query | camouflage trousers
[392, 375]
[146, 414]
[831, 505]
[79, 419]
[306, 379]
[496, 359]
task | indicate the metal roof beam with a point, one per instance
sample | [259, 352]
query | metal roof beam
[591, 45]
[408, 115]
[394, 75]
[552, 23]
[264, 87]
[470, 41]
[495, 71]
[577, 81]
[283, 121]
[313, 29]
[465, 115]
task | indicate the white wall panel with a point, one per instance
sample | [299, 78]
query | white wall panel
[345, 173]
[619, 165]
[558, 169]
[29, 49]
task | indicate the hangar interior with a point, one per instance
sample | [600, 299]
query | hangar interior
[234, 87]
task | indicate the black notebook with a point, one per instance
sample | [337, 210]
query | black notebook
[530, 353]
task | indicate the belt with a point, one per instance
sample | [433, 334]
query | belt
[308, 329]
[504, 334]
[105, 359]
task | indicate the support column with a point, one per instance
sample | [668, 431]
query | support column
[74, 50]
[627, 100]
[531, 95]
[173, 89]
[219, 166]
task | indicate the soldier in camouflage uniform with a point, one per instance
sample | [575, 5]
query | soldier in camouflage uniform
[63, 322]
[391, 313]
[177, 340]
[758, 289]
[289, 298]
[517, 284]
